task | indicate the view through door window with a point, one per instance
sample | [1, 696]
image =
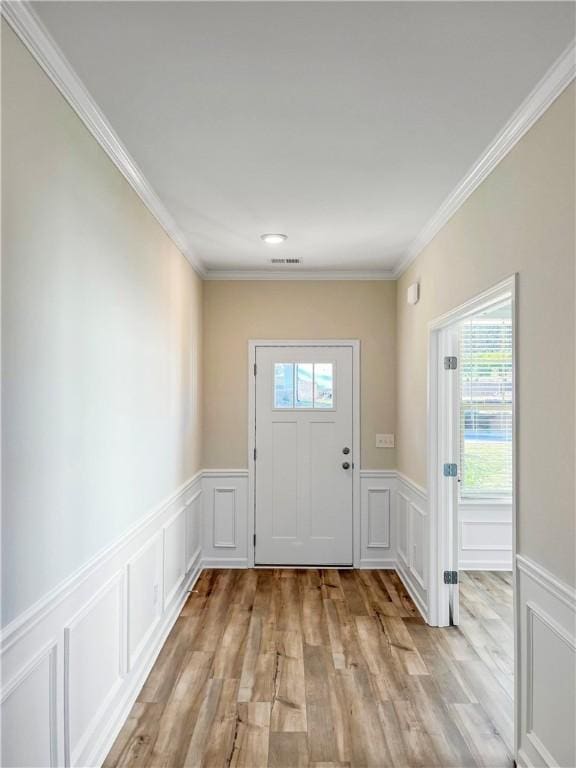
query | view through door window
[486, 404]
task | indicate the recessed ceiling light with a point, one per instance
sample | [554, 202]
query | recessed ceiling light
[273, 239]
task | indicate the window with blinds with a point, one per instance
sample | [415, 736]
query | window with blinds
[485, 364]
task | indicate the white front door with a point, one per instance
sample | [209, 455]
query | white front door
[304, 455]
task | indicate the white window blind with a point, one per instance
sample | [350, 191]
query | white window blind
[485, 364]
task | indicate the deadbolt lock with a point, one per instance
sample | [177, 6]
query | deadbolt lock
[346, 451]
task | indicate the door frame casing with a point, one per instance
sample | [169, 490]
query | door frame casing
[438, 544]
[354, 344]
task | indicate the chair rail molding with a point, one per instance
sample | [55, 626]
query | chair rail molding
[74, 662]
[130, 595]
[547, 630]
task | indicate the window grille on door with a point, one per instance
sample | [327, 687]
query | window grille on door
[303, 385]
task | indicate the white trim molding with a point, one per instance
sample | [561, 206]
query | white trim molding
[74, 662]
[555, 586]
[296, 273]
[558, 77]
[484, 536]
[442, 435]
[117, 598]
[29, 28]
[32, 32]
[547, 631]
[377, 519]
[411, 542]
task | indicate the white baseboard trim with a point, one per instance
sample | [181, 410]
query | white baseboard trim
[172, 538]
[378, 565]
[75, 661]
[412, 591]
[226, 562]
[523, 761]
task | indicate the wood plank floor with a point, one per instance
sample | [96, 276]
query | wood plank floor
[325, 668]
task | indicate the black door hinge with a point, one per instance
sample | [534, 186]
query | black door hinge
[255, 369]
[450, 577]
[254, 539]
[254, 454]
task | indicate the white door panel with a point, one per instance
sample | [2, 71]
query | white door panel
[303, 423]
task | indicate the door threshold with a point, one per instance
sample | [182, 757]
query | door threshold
[304, 567]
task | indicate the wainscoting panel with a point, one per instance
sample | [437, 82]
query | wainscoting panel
[485, 532]
[144, 580]
[193, 529]
[73, 663]
[29, 737]
[377, 519]
[224, 518]
[403, 517]
[378, 524]
[225, 529]
[412, 541]
[94, 666]
[418, 548]
[174, 555]
[547, 667]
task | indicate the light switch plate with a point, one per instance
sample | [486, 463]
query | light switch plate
[384, 441]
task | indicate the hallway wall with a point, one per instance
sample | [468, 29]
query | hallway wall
[101, 344]
[235, 312]
[521, 219]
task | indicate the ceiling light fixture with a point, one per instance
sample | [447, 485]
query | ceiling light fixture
[273, 239]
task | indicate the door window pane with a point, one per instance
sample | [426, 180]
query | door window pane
[283, 385]
[304, 385]
[323, 385]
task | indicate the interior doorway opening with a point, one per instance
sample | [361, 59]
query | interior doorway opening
[472, 484]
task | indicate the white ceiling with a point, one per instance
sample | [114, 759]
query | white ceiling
[343, 124]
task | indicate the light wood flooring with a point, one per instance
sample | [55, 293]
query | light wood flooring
[326, 668]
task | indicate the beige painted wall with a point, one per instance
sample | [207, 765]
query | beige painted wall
[101, 344]
[235, 312]
[521, 219]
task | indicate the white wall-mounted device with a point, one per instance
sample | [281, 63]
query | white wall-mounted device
[413, 293]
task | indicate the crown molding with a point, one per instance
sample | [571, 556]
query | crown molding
[26, 24]
[31, 31]
[297, 274]
[558, 77]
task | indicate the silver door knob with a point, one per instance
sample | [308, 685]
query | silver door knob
[346, 465]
